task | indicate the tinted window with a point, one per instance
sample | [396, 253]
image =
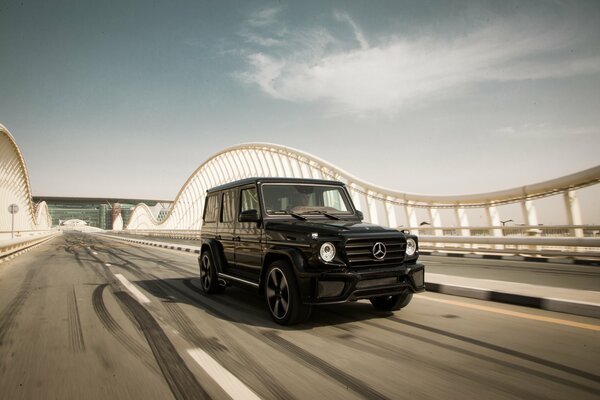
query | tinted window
[211, 209]
[249, 200]
[305, 198]
[228, 209]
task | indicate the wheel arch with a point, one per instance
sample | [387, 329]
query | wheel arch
[293, 256]
[215, 250]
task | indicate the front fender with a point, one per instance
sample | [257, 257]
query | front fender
[298, 262]
[216, 251]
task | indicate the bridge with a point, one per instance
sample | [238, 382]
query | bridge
[511, 310]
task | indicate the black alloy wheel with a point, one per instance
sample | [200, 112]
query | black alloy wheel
[392, 303]
[209, 281]
[283, 296]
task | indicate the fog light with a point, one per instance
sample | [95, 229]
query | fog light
[327, 251]
[330, 288]
[418, 277]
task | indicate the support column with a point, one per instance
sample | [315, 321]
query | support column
[530, 217]
[573, 211]
[463, 221]
[529, 214]
[391, 213]
[372, 206]
[410, 215]
[436, 223]
[493, 220]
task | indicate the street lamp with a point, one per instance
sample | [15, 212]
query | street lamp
[504, 222]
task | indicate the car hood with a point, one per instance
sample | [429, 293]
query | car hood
[326, 227]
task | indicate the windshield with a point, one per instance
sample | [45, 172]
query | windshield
[305, 199]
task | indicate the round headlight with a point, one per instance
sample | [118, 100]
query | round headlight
[327, 251]
[411, 247]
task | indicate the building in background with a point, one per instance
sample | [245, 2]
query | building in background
[98, 212]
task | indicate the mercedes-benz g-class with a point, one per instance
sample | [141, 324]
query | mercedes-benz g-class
[302, 242]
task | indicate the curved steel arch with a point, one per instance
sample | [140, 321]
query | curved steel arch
[380, 205]
[15, 189]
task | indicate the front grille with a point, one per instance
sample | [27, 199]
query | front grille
[359, 252]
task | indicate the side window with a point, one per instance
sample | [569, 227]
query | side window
[211, 209]
[332, 198]
[249, 200]
[228, 209]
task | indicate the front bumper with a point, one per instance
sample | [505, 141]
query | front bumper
[339, 287]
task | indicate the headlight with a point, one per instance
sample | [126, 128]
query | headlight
[411, 247]
[327, 251]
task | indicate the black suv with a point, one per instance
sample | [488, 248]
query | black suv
[301, 242]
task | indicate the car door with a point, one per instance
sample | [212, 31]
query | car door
[248, 247]
[227, 229]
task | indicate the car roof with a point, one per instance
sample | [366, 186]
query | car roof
[257, 180]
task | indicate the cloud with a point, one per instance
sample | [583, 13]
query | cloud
[358, 33]
[396, 72]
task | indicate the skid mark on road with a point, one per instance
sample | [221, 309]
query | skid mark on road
[480, 356]
[500, 349]
[76, 342]
[117, 331]
[9, 314]
[242, 362]
[180, 379]
[235, 356]
[134, 291]
[394, 353]
[232, 385]
[315, 363]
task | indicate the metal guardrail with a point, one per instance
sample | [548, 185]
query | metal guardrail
[573, 241]
[10, 247]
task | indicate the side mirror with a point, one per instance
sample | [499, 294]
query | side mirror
[360, 215]
[249, 216]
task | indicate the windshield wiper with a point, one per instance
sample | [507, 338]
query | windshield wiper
[287, 212]
[321, 212]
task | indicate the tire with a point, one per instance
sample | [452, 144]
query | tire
[283, 296]
[392, 303]
[209, 280]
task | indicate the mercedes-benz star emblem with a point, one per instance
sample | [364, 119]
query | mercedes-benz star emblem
[379, 250]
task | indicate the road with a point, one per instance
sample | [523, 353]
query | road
[83, 316]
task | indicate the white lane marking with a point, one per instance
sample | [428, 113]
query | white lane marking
[94, 253]
[107, 264]
[232, 385]
[134, 291]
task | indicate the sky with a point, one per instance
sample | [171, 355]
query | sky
[128, 98]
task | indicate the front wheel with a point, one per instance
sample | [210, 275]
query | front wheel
[391, 303]
[283, 296]
[209, 281]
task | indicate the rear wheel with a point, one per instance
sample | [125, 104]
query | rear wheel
[391, 303]
[209, 281]
[283, 296]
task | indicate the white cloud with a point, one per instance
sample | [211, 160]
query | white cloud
[311, 64]
[358, 33]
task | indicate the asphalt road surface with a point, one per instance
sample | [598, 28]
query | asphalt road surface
[86, 317]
